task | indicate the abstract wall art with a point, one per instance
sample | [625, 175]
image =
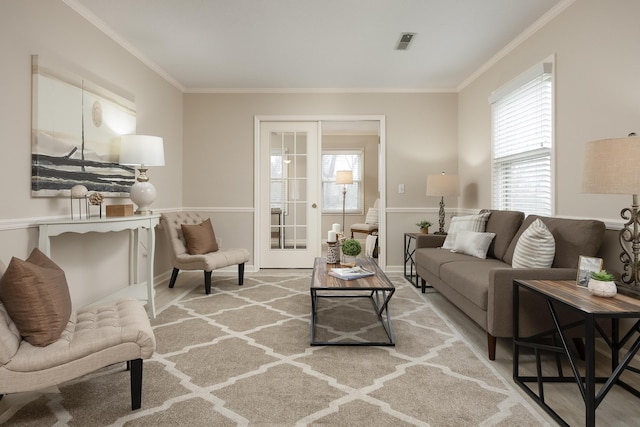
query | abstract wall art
[75, 138]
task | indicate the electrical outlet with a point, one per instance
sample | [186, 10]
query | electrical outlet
[401, 188]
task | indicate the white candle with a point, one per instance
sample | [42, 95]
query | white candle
[336, 228]
[332, 236]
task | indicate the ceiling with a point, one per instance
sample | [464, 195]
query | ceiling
[317, 45]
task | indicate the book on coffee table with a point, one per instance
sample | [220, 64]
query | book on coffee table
[350, 273]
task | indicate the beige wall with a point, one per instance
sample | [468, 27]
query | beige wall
[421, 138]
[595, 44]
[94, 264]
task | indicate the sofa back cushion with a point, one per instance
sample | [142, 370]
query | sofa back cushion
[573, 237]
[504, 224]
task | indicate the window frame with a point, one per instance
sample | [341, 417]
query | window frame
[543, 153]
[359, 210]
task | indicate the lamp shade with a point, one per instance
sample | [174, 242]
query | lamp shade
[443, 185]
[344, 177]
[143, 150]
[611, 166]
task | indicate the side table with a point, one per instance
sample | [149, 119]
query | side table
[409, 250]
[591, 309]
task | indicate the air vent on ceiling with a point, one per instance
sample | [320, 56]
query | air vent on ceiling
[405, 39]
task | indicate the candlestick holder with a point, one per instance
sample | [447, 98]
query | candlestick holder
[333, 253]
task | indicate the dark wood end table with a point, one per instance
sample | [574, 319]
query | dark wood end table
[591, 309]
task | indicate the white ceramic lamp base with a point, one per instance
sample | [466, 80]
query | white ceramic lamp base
[143, 194]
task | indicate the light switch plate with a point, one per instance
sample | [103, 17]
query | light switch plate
[401, 188]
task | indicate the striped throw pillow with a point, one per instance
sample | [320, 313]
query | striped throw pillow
[476, 223]
[536, 247]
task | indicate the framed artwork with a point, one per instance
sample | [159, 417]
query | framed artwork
[75, 134]
[586, 266]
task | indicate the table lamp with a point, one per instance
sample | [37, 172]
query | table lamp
[142, 151]
[611, 167]
[442, 185]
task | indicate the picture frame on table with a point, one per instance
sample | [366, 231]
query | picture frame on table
[586, 266]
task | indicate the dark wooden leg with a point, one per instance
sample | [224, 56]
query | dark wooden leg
[207, 282]
[424, 285]
[491, 345]
[174, 275]
[241, 274]
[136, 383]
[579, 343]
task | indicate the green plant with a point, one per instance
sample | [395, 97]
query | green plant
[423, 224]
[602, 275]
[351, 247]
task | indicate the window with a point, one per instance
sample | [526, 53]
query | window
[522, 121]
[333, 161]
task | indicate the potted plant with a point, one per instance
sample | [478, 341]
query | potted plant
[424, 226]
[602, 284]
[351, 248]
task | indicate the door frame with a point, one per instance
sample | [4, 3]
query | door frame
[382, 176]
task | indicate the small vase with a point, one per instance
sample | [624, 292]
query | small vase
[424, 230]
[602, 289]
[349, 260]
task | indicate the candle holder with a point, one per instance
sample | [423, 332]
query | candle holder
[333, 253]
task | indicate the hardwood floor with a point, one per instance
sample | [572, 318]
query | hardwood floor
[619, 408]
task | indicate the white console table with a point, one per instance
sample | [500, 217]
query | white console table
[142, 291]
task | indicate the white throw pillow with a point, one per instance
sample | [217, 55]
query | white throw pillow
[536, 247]
[476, 223]
[372, 216]
[473, 243]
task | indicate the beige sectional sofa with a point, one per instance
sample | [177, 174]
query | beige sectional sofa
[482, 288]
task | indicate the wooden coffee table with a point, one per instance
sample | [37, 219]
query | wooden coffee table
[378, 288]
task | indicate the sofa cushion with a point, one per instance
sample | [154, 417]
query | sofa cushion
[199, 238]
[36, 297]
[467, 222]
[372, 216]
[471, 278]
[504, 224]
[535, 248]
[573, 237]
[473, 243]
[432, 259]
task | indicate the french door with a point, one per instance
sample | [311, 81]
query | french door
[289, 211]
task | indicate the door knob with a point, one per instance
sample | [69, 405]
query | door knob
[314, 205]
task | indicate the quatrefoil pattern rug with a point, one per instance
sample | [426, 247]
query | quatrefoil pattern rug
[241, 356]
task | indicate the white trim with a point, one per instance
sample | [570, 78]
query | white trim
[524, 36]
[317, 90]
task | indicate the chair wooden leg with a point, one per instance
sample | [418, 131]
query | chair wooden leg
[491, 345]
[207, 282]
[241, 274]
[136, 383]
[174, 276]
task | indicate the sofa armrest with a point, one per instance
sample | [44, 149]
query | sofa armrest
[500, 295]
[430, 240]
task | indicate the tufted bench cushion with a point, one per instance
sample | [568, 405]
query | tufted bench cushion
[95, 337]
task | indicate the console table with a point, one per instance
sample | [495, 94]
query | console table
[591, 310]
[140, 290]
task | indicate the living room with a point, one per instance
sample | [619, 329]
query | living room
[593, 44]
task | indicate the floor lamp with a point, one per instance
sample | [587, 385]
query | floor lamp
[442, 185]
[611, 167]
[344, 178]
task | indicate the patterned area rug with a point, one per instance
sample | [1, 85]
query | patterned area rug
[241, 356]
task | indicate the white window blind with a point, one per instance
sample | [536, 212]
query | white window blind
[522, 121]
[333, 161]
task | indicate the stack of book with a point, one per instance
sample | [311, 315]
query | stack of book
[350, 273]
